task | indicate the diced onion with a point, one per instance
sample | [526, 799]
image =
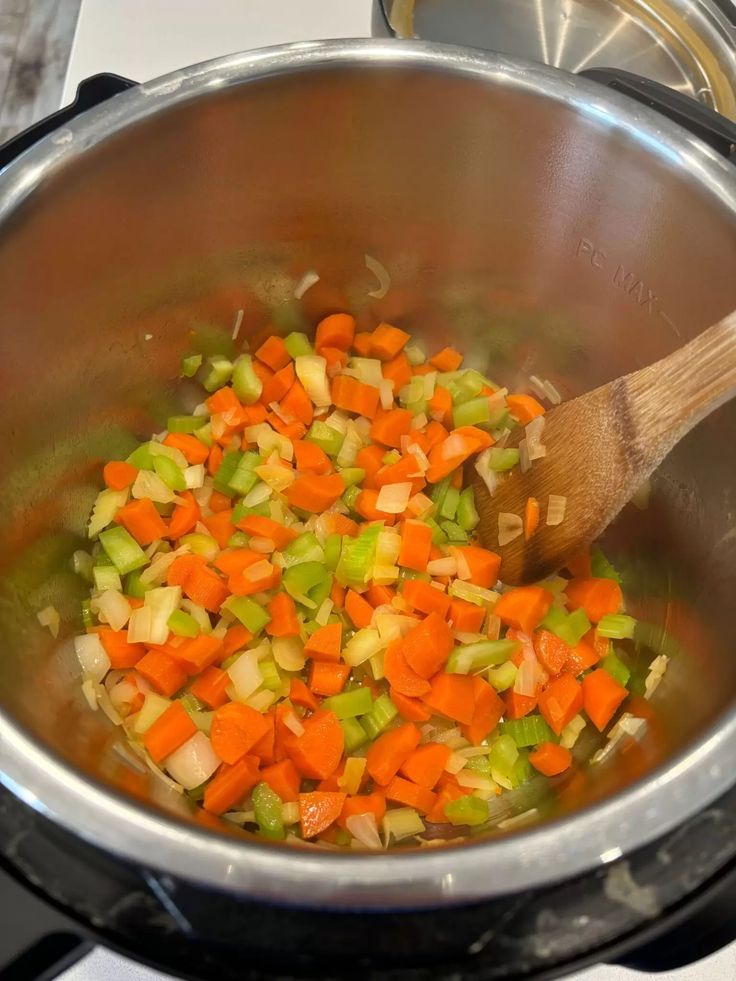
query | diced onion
[193, 762]
[323, 613]
[556, 506]
[450, 737]
[92, 656]
[367, 370]
[364, 829]
[446, 566]
[571, 732]
[245, 675]
[476, 781]
[89, 690]
[160, 449]
[379, 271]
[147, 484]
[492, 626]
[510, 526]
[260, 493]
[484, 471]
[524, 458]
[472, 593]
[311, 370]
[154, 707]
[552, 394]
[420, 505]
[386, 394]
[525, 682]
[236, 326]
[106, 506]
[49, 617]
[338, 421]
[307, 281]
[293, 723]
[113, 608]
[456, 762]
[351, 446]
[537, 386]
[162, 602]
[139, 626]
[362, 645]
[393, 498]
[194, 476]
[258, 570]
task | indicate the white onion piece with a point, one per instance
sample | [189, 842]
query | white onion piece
[379, 271]
[367, 370]
[311, 370]
[323, 613]
[338, 421]
[393, 498]
[194, 476]
[106, 506]
[421, 457]
[510, 526]
[525, 462]
[419, 421]
[139, 626]
[455, 763]
[162, 602]
[525, 682]
[245, 675]
[92, 656]
[160, 449]
[556, 507]
[537, 386]
[492, 626]
[260, 493]
[49, 617]
[386, 394]
[193, 762]
[362, 645]
[476, 781]
[113, 608]
[308, 280]
[149, 484]
[483, 469]
[293, 723]
[552, 394]
[351, 446]
[420, 505]
[237, 324]
[90, 690]
[364, 829]
[446, 566]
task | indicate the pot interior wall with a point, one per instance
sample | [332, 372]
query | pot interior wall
[536, 236]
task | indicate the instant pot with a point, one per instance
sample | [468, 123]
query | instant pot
[545, 222]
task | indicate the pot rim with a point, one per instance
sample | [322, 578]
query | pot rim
[560, 849]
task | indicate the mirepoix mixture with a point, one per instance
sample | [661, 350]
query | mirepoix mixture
[290, 617]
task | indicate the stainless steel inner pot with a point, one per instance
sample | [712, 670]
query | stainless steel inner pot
[533, 219]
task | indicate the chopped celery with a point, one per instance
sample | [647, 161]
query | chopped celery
[246, 383]
[226, 472]
[402, 823]
[190, 364]
[413, 574]
[204, 434]
[271, 676]
[184, 424]
[301, 582]
[416, 408]
[522, 770]
[352, 475]
[503, 677]
[305, 548]
[141, 457]
[170, 473]
[574, 628]
[216, 372]
[244, 478]
[319, 593]
[238, 539]
[529, 731]
[501, 459]
[438, 535]
[123, 549]
[248, 612]
[230, 660]
[466, 515]
[190, 703]
[268, 810]
[393, 456]
[471, 413]
[349, 704]
[183, 624]
[555, 618]
[298, 344]
[241, 511]
[87, 616]
[332, 548]
[439, 491]
[328, 439]
[356, 557]
[482, 654]
[134, 587]
[479, 764]
[504, 754]
[350, 497]
[466, 387]
[106, 577]
[380, 716]
[467, 810]
[617, 669]
[601, 568]
[201, 544]
[453, 532]
[617, 626]
[449, 505]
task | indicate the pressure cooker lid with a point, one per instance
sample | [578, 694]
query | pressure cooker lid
[689, 45]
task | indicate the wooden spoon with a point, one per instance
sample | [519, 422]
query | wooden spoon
[602, 446]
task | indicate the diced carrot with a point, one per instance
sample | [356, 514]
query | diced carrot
[220, 526]
[597, 597]
[337, 595]
[284, 621]
[211, 687]
[184, 517]
[455, 450]
[365, 505]
[318, 751]
[466, 617]
[198, 653]
[370, 459]
[581, 657]
[311, 457]
[223, 402]
[298, 404]
[318, 810]
[264, 374]
[354, 396]
[405, 792]
[387, 753]
[427, 646]
[325, 643]
[168, 732]
[118, 475]
[524, 408]
[358, 609]
[314, 493]
[426, 598]
[181, 567]
[142, 520]
[411, 709]
[446, 794]
[379, 595]
[283, 779]
[230, 785]
[236, 638]
[374, 804]
[517, 706]
[252, 580]
[340, 524]
[214, 460]
[601, 696]
[487, 712]
[452, 695]
[335, 359]
[236, 560]
[273, 353]
[299, 694]
[397, 370]
[194, 451]
[482, 564]
[259, 526]
[579, 566]
[274, 390]
[448, 359]
[416, 541]
[336, 330]
[236, 728]
[219, 502]
[550, 759]
[387, 341]
[405, 469]
[204, 587]
[440, 407]
[265, 748]
[121, 653]
[552, 652]
[524, 608]
[400, 675]
[531, 517]
[326, 678]
[560, 701]
[390, 425]
[252, 415]
[293, 431]
[165, 674]
[426, 764]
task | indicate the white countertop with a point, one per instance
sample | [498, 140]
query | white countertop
[141, 39]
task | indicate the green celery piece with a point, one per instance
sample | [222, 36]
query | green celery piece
[246, 383]
[482, 654]
[521, 771]
[380, 716]
[101, 560]
[479, 764]
[422, 405]
[500, 420]
[413, 391]
[529, 731]
[241, 511]
[226, 472]
[190, 364]
[190, 703]
[332, 549]
[393, 456]
[244, 478]
[238, 539]
[504, 754]
[355, 734]
[467, 387]
[503, 677]
[170, 473]
[305, 548]
[352, 476]
[248, 612]
[574, 628]
[134, 587]
[449, 506]
[453, 532]
[300, 580]
[472, 413]
[185, 424]
[502, 459]
[319, 593]
[328, 439]
[466, 515]
[204, 434]
[268, 810]
[356, 557]
[349, 704]
[413, 574]
[230, 660]
[183, 624]
[555, 618]
[141, 457]
[350, 497]
[123, 549]
[613, 664]
[88, 618]
[438, 535]
[270, 673]
[298, 344]
[617, 626]
[467, 810]
[216, 372]
[601, 568]
[342, 837]
[439, 491]
[105, 577]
